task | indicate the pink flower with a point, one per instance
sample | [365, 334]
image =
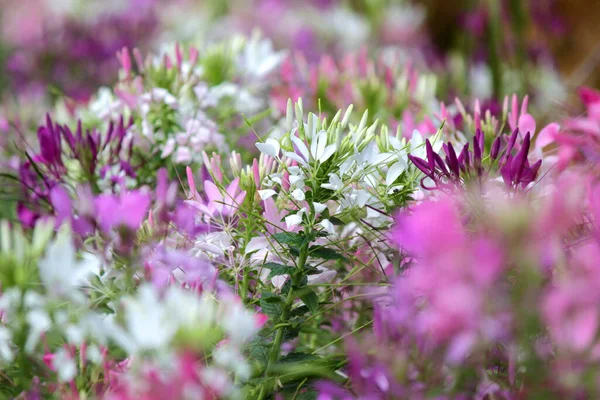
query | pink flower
[224, 203]
[128, 209]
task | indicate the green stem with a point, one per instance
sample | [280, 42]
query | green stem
[287, 307]
[245, 283]
[495, 38]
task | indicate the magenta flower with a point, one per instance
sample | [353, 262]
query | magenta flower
[126, 210]
[456, 169]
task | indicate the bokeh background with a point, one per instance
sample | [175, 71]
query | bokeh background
[53, 49]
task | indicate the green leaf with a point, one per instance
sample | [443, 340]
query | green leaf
[311, 300]
[291, 332]
[287, 238]
[298, 357]
[299, 311]
[272, 306]
[325, 253]
[336, 221]
[260, 354]
[278, 269]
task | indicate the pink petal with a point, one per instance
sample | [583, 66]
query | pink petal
[526, 124]
[547, 135]
[583, 328]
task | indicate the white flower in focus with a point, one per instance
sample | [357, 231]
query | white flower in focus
[335, 183]
[270, 147]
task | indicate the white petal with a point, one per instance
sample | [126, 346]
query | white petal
[327, 153]
[319, 144]
[267, 193]
[301, 147]
[256, 243]
[295, 157]
[293, 220]
[394, 172]
[328, 226]
[325, 276]
[298, 194]
[271, 147]
[319, 207]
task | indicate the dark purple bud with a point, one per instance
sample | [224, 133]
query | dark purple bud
[518, 164]
[480, 140]
[505, 171]
[79, 132]
[68, 135]
[109, 133]
[420, 163]
[92, 144]
[49, 124]
[495, 150]
[476, 151]
[46, 144]
[530, 173]
[511, 144]
[452, 160]
[464, 157]
[430, 157]
[440, 163]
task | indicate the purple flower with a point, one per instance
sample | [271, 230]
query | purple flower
[126, 210]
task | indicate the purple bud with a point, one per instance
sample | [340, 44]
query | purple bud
[452, 160]
[430, 157]
[420, 163]
[506, 175]
[477, 150]
[480, 140]
[495, 150]
[440, 162]
[109, 133]
[518, 164]
[511, 144]
[68, 135]
[464, 157]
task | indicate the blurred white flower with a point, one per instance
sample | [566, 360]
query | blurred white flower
[60, 271]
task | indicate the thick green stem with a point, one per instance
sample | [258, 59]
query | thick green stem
[289, 301]
[287, 307]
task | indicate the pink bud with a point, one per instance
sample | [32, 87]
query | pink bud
[125, 60]
[256, 173]
[190, 177]
[178, 56]
[193, 55]
[137, 54]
